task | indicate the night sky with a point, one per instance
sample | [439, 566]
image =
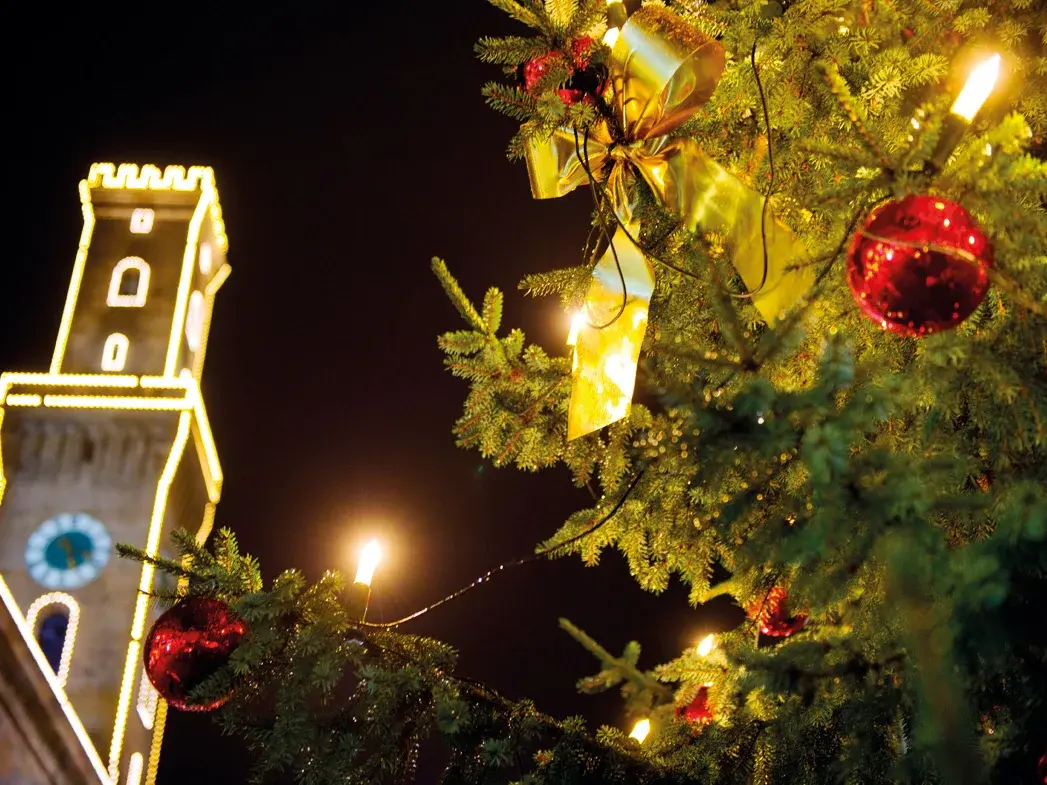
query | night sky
[348, 148]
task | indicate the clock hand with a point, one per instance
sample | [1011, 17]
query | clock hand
[67, 546]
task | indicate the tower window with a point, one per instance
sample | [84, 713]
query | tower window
[142, 220]
[114, 353]
[194, 321]
[129, 283]
[205, 259]
[51, 636]
[54, 618]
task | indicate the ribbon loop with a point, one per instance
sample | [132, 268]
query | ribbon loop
[662, 71]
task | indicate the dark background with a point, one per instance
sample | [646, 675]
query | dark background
[349, 147]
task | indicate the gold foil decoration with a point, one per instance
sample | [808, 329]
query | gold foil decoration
[661, 72]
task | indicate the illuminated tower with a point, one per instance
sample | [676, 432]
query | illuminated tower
[113, 445]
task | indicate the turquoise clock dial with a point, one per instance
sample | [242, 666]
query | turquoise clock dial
[68, 551]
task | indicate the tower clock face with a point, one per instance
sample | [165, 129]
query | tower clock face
[68, 551]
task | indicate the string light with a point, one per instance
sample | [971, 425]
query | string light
[134, 769]
[360, 592]
[976, 91]
[617, 15]
[23, 400]
[516, 562]
[369, 558]
[114, 352]
[142, 220]
[148, 698]
[641, 730]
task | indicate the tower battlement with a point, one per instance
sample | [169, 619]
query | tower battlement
[196, 180]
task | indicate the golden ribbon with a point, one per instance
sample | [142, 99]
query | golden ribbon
[661, 72]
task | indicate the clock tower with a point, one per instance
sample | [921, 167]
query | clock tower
[112, 444]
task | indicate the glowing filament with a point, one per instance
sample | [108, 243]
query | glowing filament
[577, 323]
[641, 730]
[369, 558]
[707, 644]
[977, 89]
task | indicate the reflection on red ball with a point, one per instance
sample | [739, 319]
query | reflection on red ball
[773, 615]
[919, 265]
[583, 83]
[1042, 769]
[697, 712]
[190, 642]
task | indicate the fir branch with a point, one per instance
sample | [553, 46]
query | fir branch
[528, 12]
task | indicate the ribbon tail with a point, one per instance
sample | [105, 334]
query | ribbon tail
[553, 165]
[608, 339]
[709, 198]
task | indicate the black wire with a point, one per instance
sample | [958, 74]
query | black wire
[582, 151]
[770, 187]
[515, 563]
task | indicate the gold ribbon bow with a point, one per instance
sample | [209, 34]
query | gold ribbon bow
[662, 71]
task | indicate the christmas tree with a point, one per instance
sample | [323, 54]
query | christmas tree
[807, 369]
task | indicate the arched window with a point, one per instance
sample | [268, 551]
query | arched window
[194, 321]
[53, 618]
[114, 353]
[129, 283]
[142, 220]
[51, 634]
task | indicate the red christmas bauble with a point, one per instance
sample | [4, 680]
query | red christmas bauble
[582, 52]
[584, 82]
[773, 615]
[535, 68]
[1041, 769]
[919, 265]
[187, 644]
[697, 712]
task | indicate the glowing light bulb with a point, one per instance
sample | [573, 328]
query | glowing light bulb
[616, 16]
[977, 89]
[641, 730]
[577, 323]
[369, 558]
[707, 644]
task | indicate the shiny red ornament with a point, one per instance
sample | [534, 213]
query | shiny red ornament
[584, 82]
[773, 615]
[1041, 769]
[189, 643]
[919, 265]
[535, 68]
[697, 712]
